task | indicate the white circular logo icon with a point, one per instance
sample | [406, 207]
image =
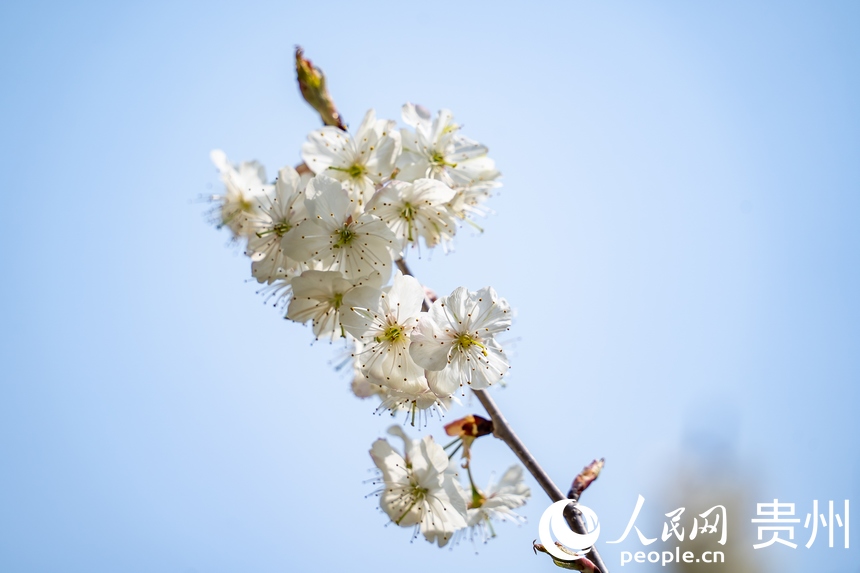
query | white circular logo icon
[553, 524]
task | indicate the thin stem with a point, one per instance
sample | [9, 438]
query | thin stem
[503, 431]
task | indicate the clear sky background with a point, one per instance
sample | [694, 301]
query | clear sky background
[677, 233]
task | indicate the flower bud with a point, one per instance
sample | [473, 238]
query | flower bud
[588, 474]
[313, 87]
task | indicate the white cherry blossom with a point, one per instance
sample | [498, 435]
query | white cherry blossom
[318, 296]
[416, 397]
[361, 162]
[244, 188]
[469, 200]
[340, 242]
[417, 487]
[496, 503]
[456, 339]
[277, 215]
[382, 321]
[417, 209]
[437, 150]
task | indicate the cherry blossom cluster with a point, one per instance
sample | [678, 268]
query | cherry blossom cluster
[324, 240]
[420, 488]
[323, 244]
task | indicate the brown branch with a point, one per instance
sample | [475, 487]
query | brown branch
[504, 432]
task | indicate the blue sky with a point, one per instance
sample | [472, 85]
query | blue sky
[677, 232]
